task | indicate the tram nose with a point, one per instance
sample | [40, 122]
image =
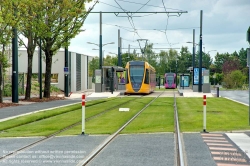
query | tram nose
[136, 86]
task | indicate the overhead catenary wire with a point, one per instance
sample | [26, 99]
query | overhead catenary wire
[148, 5]
[143, 6]
[151, 29]
[130, 19]
[110, 5]
[130, 16]
[167, 23]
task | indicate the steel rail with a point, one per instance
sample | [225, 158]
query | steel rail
[60, 131]
[180, 157]
[111, 137]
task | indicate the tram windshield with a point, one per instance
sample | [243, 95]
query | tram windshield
[170, 78]
[136, 74]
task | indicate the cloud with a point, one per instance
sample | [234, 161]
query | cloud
[225, 23]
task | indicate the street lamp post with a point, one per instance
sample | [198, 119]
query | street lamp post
[102, 45]
[194, 49]
[101, 63]
[112, 53]
[193, 57]
[100, 57]
[200, 55]
[211, 51]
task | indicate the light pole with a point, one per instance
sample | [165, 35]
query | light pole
[193, 57]
[194, 50]
[211, 51]
[200, 54]
[112, 53]
[102, 45]
[102, 55]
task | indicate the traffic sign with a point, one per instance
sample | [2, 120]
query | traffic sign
[66, 70]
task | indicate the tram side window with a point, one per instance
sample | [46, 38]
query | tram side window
[146, 81]
[127, 81]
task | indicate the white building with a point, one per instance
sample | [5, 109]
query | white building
[78, 69]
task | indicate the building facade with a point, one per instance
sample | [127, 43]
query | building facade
[78, 69]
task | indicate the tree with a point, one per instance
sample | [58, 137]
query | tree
[185, 60]
[108, 61]
[230, 65]
[30, 29]
[173, 55]
[149, 54]
[243, 58]
[62, 21]
[93, 65]
[219, 60]
[206, 60]
[8, 19]
[162, 64]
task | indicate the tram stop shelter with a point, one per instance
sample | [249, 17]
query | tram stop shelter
[184, 80]
[104, 79]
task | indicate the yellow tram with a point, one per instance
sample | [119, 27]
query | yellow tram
[140, 78]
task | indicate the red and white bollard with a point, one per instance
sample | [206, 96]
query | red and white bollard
[83, 113]
[204, 113]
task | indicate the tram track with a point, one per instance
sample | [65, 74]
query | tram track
[33, 144]
[53, 115]
[178, 141]
[105, 143]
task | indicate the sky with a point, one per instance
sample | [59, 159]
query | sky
[224, 26]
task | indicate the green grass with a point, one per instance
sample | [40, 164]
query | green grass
[36, 117]
[158, 117]
[51, 124]
[46, 114]
[112, 121]
[222, 115]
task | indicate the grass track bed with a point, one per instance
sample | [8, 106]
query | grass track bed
[112, 121]
[55, 119]
[45, 114]
[158, 117]
[222, 115]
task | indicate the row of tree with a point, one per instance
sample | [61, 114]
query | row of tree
[48, 23]
[179, 62]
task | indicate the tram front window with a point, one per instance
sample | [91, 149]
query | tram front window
[136, 75]
[170, 78]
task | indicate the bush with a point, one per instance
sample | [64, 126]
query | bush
[234, 80]
[7, 90]
[54, 89]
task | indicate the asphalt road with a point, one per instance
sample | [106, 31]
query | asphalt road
[238, 95]
[24, 109]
